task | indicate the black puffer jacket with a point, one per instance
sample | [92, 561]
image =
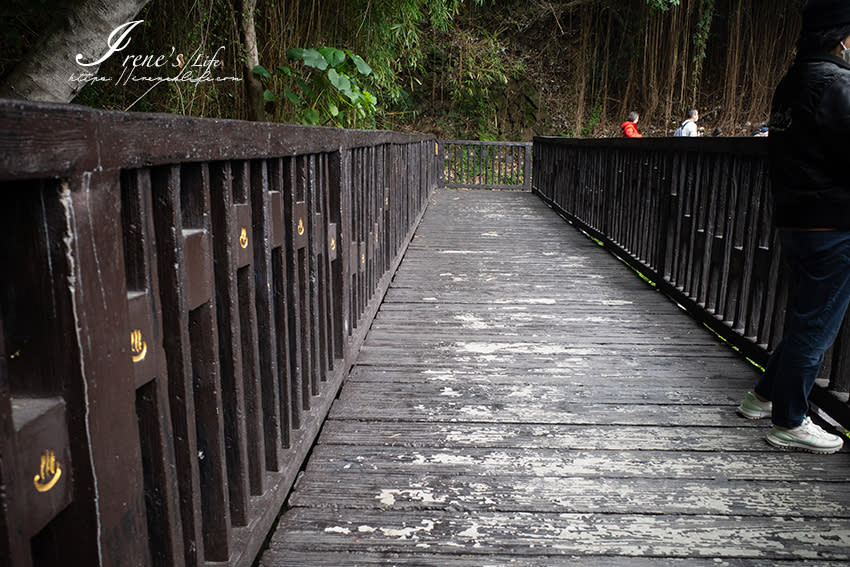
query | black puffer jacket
[809, 144]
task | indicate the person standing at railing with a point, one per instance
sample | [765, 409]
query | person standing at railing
[689, 126]
[809, 125]
[629, 127]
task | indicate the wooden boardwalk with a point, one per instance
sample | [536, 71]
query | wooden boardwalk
[524, 399]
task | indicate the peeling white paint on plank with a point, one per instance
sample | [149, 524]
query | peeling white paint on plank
[589, 495]
[302, 558]
[765, 464]
[747, 438]
[629, 535]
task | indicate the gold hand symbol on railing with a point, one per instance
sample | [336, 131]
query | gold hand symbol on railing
[300, 227]
[49, 474]
[138, 347]
[333, 243]
[243, 238]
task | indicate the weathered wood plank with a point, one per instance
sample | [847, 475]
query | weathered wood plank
[475, 316]
[556, 377]
[531, 354]
[518, 411]
[474, 333]
[405, 434]
[583, 495]
[513, 371]
[542, 398]
[590, 535]
[761, 463]
[501, 295]
[301, 558]
[603, 368]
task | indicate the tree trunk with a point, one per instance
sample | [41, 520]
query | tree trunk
[45, 73]
[253, 86]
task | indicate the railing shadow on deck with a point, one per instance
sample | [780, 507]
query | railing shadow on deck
[181, 300]
[694, 217]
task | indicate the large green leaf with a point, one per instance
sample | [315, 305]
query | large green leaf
[339, 80]
[295, 53]
[354, 96]
[362, 67]
[261, 71]
[268, 96]
[305, 86]
[332, 55]
[311, 57]
[292, 96]
[310, 116]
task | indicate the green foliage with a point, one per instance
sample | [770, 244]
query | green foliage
[471, 68]
[595, 117]
[701, 41]
[662, 5]
[394, 36]
[326, 86]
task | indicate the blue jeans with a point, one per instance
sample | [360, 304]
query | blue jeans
[821, 267]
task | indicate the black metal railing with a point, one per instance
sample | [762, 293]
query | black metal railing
[486, 165]
[694, 216]
[181, 300]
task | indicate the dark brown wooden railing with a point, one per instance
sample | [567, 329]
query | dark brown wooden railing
[694, 217]
[181, 299]
[486, 165]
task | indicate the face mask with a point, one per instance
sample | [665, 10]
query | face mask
[845, 53]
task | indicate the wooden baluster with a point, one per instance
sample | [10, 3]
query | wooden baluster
[151, 376]
[232, 245]
[266, 213]
[290, 415]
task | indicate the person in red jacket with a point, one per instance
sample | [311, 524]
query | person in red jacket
[629, 127]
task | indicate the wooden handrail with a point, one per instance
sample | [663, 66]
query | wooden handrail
[181, 300]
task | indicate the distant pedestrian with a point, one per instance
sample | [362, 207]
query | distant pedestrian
[809, 121]
[689, 126]
[717, 132]
[629, 127]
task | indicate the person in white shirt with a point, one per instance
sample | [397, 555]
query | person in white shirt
[689, 126]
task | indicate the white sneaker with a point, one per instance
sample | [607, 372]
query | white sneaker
[754, 408]
[805, 437]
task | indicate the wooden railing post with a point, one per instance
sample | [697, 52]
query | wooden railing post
[667, 199]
